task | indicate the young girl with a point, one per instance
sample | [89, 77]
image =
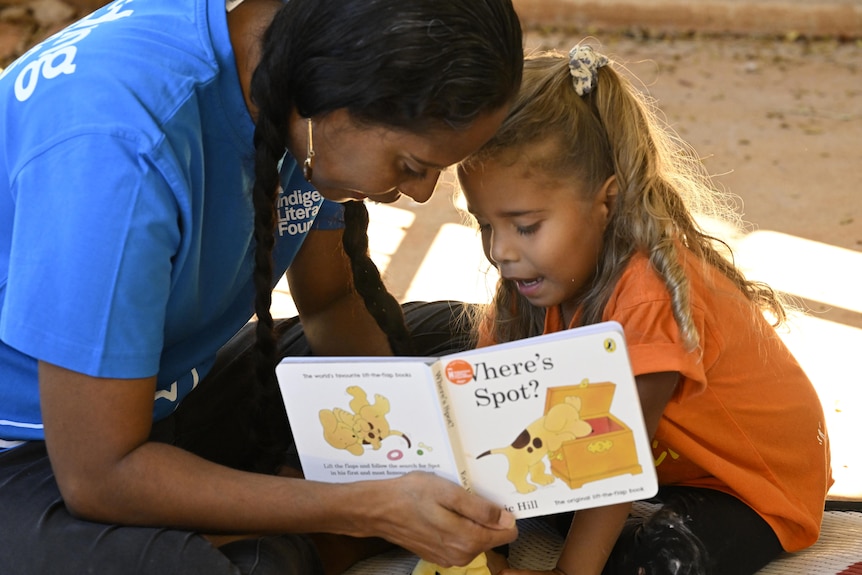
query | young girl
[585, 206]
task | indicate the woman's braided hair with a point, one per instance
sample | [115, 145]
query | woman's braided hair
[404, 64]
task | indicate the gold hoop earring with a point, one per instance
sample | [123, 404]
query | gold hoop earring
[307, 167]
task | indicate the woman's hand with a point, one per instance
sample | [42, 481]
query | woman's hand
[436, 519]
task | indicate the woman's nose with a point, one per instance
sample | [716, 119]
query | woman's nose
[420, 190]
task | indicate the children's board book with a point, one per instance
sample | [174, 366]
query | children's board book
[541, 425]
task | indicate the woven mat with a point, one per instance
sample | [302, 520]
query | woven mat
[837, 552]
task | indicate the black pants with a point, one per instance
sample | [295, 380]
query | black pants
[38, 536]
[691, 531]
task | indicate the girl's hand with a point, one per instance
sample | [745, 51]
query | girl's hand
[497, 563]
[436, 519]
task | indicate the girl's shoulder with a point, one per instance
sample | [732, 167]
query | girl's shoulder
[700, 277]
[640, 280]
[708, 295]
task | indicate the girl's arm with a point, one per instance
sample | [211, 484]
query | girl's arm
[334, 317]
[591, 538]
[97, 437]
[595, 531]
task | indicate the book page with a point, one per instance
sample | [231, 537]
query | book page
[552, 423]
[364, 418]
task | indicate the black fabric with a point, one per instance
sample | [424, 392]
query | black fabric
[843, 505]
[439, 328]
[38, 536]
[212, 421]
[693, 531]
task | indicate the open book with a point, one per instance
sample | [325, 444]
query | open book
[541, 425]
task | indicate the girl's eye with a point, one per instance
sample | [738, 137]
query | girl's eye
[527, 230]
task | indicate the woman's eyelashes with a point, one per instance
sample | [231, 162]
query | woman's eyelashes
[414, 174]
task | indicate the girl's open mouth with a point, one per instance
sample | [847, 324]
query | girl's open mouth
[528, 287]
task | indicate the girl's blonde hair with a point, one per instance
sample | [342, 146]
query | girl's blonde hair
[614, 131]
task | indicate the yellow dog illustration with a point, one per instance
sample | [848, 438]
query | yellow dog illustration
[545, 435]
[478, 566]
[367, 424]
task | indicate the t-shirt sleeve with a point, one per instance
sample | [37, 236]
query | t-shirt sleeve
[642, 305]
[91, 258]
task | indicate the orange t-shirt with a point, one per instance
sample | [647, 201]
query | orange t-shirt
[744, 419]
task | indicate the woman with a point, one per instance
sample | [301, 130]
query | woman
[166, 163]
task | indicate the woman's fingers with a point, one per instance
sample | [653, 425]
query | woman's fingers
[442, 523]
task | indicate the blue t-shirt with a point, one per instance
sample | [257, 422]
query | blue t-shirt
[126, 245]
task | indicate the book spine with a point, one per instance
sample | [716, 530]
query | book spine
[450, 424]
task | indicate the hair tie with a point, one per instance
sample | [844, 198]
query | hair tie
[584, 64]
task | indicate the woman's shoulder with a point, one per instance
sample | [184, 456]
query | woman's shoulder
[143, 79]
[113, 66]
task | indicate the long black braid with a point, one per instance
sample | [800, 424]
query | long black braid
[382, 306]
[403, 64]
[266, 403]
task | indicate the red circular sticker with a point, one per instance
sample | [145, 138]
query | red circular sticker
[459, 372]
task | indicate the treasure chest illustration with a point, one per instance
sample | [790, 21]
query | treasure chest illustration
[606, 452]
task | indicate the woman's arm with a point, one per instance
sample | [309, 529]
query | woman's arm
[334, 317]
[96, 432]
[97, 437]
